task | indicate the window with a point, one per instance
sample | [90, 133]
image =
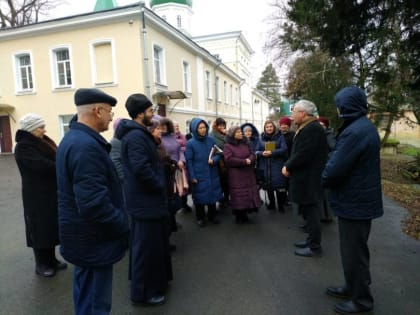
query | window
[236, 96]
[23, 69]
[178, 21]
[62, 67]
[186, 76]
[159, 65]
[208, 85]
[217, 89]
[103, 65]
[64, 123]
[231, 95]
[225, 92]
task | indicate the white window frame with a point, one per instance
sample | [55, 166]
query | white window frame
[186, 76]
[179, 21]
[63, 124]
[231, 95]
[161, 63]
[17, 67]
[93, 62]
[207, 78]
[54, 69]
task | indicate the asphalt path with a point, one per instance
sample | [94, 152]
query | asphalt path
[225, 269]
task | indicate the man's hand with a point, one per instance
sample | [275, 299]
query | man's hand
[285, 172]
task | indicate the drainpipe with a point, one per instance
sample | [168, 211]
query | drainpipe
[145, 55]
[240, 100]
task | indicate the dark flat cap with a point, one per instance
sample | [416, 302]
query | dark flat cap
[92, 96]
[136, 104]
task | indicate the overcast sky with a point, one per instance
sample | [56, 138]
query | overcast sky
[210, 16]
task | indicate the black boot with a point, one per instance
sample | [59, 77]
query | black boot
[281, 200]
[54, 262]
[272, 200]
[42, 263]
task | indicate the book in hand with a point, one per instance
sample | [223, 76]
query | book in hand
[214, 150]
[270, 146]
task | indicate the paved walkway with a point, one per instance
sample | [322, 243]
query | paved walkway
[221, 270]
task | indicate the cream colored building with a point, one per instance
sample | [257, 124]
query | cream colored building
[121, 51]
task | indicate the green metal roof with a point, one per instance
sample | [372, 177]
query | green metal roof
[102, 5]
[156, 2]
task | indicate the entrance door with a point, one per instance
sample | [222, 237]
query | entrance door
[5, 135]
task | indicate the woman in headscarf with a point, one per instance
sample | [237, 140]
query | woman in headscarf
[35, 156]
[240, 159]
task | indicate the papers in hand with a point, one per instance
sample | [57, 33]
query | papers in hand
[215, 150]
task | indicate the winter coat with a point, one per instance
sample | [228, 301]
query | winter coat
[254, 141]
[353, 172]
[144, 181]
[270, 167]
[242, 182]
[329, 133]
[305, 165]
[92, 222]
[35, 158]
[207, 190]
[115, 155]
[288, 137]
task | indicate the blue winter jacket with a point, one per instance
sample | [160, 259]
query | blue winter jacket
[271, 166]
[353, 171]
[93, 226]
[207, 190]
[144, 178]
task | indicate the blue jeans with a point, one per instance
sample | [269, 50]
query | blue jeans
[92, 290]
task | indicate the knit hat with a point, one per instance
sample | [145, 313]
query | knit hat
[325, 121]
[31, 121]
[92, 96]
[136, 104]
[285, 121]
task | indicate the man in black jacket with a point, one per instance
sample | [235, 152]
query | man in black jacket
[304, 167]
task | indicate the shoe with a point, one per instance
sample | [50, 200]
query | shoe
[350, 307]
[153, 301]
[281, 209]
[45, 271]
[339, 292]
[59, 265]
[201, 223]
[187, 208]
[214, 221]
[302, 244]
[308, 252]
[271, 206]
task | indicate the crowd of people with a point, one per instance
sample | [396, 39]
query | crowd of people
[98, 200]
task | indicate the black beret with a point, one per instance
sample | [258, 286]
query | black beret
[136, 104]
[92, 96]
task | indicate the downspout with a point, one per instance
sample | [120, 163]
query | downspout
[145, 55]
[240, 100]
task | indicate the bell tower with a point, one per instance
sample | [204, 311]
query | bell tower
[178, 13]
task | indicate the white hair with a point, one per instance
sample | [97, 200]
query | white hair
[307, 106]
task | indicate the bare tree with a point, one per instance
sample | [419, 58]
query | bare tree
[22, 12]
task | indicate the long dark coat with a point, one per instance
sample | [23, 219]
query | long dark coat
[35, 158]
[242, 182]
[305, 165]
[271, 166]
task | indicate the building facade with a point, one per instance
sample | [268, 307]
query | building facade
[122, 51]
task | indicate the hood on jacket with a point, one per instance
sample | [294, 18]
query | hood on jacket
[125, 126]
[351, 101]
[255, 133]
[194, 125]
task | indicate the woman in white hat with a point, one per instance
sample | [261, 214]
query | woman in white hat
[35, 157]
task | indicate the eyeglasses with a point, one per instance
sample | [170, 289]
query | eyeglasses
[108, 110]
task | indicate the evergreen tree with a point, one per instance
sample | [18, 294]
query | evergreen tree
[269, 85]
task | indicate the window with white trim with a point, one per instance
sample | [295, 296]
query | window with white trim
[64, 121]
[231, 95]
[23, 69]
[186, 71]
[62, 67]
[236, 96]
[159, 64]
[103, 65]
[178, 21]
[208, 85]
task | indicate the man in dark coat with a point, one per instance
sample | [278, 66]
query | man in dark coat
[147, 204]
[93, 226]
[354, 178]
[305, 165]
